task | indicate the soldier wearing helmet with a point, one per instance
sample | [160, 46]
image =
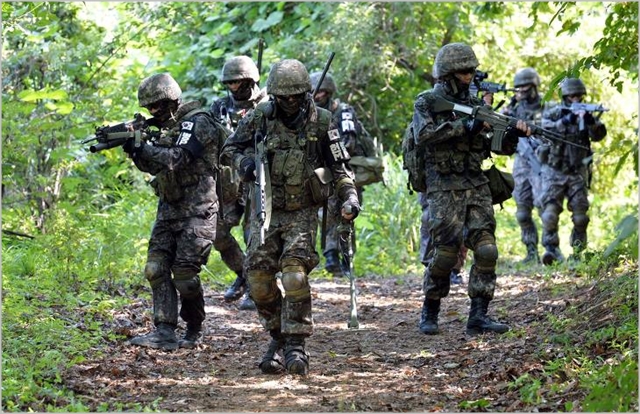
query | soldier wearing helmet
[458, 193]
[353, 135]
[526, 104]
[241, 78]
[303, 148]
[566, 170]
[182, 162]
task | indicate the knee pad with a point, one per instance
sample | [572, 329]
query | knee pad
[187, 283]
[523, 214]
[264, 288]
[580, 220]
[444, 259]
[485, 256]
[156, 271]
[551, 213]
[295, 281]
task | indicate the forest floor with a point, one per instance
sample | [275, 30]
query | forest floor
[385, 365]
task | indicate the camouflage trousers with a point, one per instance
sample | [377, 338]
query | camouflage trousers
[177, 251]
[457, 217]
[230, 251]
[426, 247]
[556, 187]
[289, 244]
[526, 193]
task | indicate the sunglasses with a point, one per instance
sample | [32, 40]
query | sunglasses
[468, 71]
[291, 98]
[575, 95]
[232, 82]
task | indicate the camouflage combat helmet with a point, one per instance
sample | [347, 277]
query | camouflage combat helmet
[238, 68]
[327, 83]
[157, 88]
[288, 77]
[454, 57]
[526, 76]
[573, 86]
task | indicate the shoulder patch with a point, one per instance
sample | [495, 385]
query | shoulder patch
[334, 135]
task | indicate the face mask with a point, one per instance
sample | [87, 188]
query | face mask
[244, 91]
[291, 104]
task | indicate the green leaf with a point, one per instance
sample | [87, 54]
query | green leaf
[31, 95]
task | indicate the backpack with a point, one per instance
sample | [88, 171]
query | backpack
[413, 160]
[368, 168]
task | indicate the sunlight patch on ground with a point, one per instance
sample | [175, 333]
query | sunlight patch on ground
[216, 310]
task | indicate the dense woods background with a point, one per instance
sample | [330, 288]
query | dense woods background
[75, 225]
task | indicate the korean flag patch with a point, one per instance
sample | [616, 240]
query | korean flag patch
[187, 126]
[334, 135]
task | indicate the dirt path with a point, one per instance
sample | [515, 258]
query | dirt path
[387, 365]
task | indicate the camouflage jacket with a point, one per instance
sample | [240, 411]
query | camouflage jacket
[184, 163]
[564, 157]
[531, 112]
[351, 130]
[453, 158]
[293, 155]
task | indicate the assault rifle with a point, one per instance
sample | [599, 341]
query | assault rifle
[499, 122]
[116, 135]
[479, 84]
[346, 242]
[579, 107]
[262, 191]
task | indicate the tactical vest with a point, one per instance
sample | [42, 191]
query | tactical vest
[293, 156]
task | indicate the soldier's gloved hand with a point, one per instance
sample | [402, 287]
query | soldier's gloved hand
[569, 118]
[351, 207]
[130, 148]
[473, 126]
[247, 169]
[588, 119]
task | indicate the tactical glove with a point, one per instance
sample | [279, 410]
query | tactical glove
[569, 118]
[588, 119]
[473, 126]
[247, 169]
[352, 205]
[130, 148]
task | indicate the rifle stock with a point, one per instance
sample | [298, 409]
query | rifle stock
[499, 122]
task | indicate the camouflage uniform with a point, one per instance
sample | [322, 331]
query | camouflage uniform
[565, 170]
[298, 139]
[351, 130]
[526, 166]
[183, 162]
[229, 110]
[457, 192]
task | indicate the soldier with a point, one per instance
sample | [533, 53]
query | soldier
[526, 105]
[183, 162]
[298, 140]
[566, 170]
[240, 75]
[352, 133]
[457, 192]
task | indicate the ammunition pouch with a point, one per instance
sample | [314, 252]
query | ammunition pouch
[170, 185]
[500, 183]
[320, 184]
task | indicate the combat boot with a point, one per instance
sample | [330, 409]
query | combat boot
[247, 303]
[163, 338]
[429, 320]
[272, 361]
[236, 290]
[551, 255]
[532, 254]
[479, 322]
[190, 337]
[332, 263]
[295, 357]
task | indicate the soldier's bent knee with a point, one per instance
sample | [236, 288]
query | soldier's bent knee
[551, 213]
[295, 281]
[580, 220]
[156, 272]
[523, 214]
[444, 259]
[188, 285]
[486, 257]
[264, 288]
